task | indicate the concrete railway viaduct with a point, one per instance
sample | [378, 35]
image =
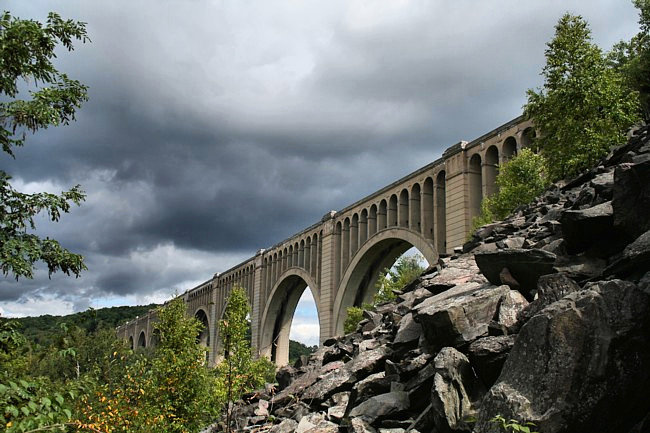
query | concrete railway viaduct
[339, 258]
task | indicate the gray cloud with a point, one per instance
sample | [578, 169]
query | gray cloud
[218, 128]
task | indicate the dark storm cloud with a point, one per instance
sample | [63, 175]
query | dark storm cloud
[216, 129]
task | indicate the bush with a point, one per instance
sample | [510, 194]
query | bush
[519, 182]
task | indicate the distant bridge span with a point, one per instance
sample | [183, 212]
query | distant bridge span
[341, 256]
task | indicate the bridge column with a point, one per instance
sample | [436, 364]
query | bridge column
[257, 301]
[328, 280]
[214, 321]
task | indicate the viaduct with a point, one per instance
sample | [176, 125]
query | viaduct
[339, 258]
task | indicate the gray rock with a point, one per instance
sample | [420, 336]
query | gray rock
[488, 354]
[337, 411]
[580, 267]
[382, 405]
[456, 320]
[286, 426]
[285, 375]
[635, 259]
[409, 330]
[550, 288]
[316, 423]
[455, 388]
[526, 266]
[603, 184]
[262, 408]
[341, 379]
[579, 227]
[377, 383]
[580, 364]
[631, 200]
[358, 425]
[511, 305]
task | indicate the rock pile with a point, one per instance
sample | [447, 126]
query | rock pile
[543, 317]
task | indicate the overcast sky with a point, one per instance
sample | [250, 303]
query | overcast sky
[216, 128]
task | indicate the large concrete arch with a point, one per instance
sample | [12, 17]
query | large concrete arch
[379, 252]
[279, 311]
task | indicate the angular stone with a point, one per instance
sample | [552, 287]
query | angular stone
[262, 408]
[341, 379]
[603, 184]
[488, 354]
[358, 425]
[382, 405]
[316, 423]
[285, 375]
[456, 320]
[409, 330]
[286, 426]
[512, 304]
[526, 266]
[635, 259]
[580, 267]
[337, 412]
[631, 200]
[580, 364]
[455, 388]
[550, 288]
[579, 228]
[374, 384]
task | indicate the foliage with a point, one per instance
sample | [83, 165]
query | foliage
[512, 425]
[238, 372]
[632, 58]
[169, 389]
[355, 315]
[584, 107]
[46, 330]
[30, 405]
[519, 182]
[27, 49]
[297, 349]
[403, 273]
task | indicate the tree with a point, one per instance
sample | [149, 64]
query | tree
[632, 58]
[584, 107]
[238, 372]
[27, 49]
[519, 182]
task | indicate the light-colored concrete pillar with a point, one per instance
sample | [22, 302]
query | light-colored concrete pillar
[363, 227]
[328, 281]
[258, 302]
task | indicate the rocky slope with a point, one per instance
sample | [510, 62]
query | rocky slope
[543, 317]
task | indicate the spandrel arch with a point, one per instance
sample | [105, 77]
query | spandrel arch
[379, 252]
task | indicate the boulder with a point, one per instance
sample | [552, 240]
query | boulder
[456, 320]
[511, 305]
[409, 330]
[316, 423]
[381, 406]
[591, 228]
[342, 379]
[635, 259]
[631, 199]
[525, 266]
[377, 383]
[580, 364]
[286, 426]
[550, 288]
[488, 354]
[358, 425]
[340, 403]
[285, 375]
[455, 388]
